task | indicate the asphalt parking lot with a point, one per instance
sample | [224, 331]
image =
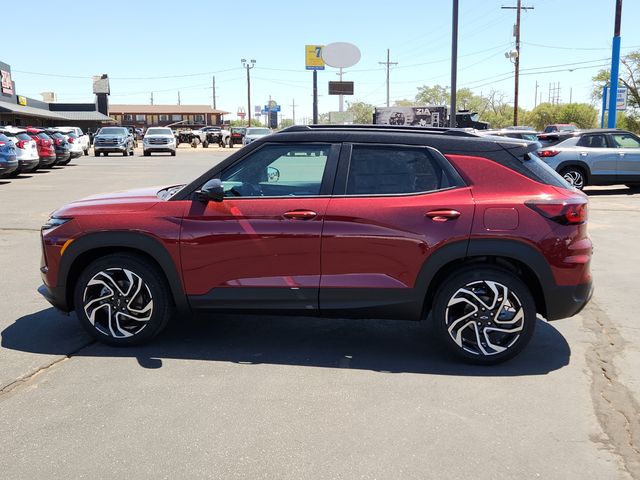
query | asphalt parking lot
[275, 397]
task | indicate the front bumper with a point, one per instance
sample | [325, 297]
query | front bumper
[567, 301]
[55, 296]
[110, 148]
[159, 148]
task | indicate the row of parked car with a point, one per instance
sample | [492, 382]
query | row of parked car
[585, 157]
[29, 149]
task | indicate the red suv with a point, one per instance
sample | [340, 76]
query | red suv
[45, 145]
[354, 221]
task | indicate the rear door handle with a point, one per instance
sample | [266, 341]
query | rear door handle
[443, 215]
[300, 214]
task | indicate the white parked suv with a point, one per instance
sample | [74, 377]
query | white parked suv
[82, 138]
[159, 139]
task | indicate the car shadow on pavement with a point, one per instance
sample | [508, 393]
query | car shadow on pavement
[377, 345]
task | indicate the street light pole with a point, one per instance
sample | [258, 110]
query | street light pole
[248, 65]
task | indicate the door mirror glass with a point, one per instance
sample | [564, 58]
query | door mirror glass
[273, 174]
[213, 190]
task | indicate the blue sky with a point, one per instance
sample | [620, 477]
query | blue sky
[189, 41]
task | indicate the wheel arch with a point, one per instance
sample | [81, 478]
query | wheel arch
[89, 247]
[575, 163]
[511, 255]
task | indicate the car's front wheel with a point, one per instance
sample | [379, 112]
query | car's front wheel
[122, 299]
[484, 315]
[574, 177]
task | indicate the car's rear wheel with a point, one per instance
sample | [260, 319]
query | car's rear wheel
[575, 177]
[122, 299]
[484, 315]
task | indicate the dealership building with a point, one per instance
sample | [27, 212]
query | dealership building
[20, 110]
[160, 115]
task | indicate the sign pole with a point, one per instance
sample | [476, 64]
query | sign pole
[454, 63]
[615, 64]
[315, 97]
[604, 105]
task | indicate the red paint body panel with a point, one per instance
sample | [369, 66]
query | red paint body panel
[382, 242]
[496, 186]
[249, 243]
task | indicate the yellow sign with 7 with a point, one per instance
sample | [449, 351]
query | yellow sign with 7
[313, 57]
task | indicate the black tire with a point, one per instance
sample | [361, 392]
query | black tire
[125, 154]
[633, 186]
[146, 154]
[205, 144]
[86, 152]
[96, 154]
[153, 290]
[575, 176]
[131, 152]
[173, 154]
[520, 306]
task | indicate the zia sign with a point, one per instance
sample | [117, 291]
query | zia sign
[6, 85]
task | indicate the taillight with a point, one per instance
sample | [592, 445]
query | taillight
[547, 153]
[21, 144]
[71, 140]
[2, 143]
[565, 213]
[58, 141]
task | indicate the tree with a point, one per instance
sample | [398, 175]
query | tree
[286, 122]
[581, 114]
[629, 77]
[436, 95]
[404, 103]
[362, 112]
[544, 114]
[243, 123]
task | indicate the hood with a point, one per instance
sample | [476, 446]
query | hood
[160, 135]
[124, 201]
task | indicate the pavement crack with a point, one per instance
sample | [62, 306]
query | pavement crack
[28, 378]
[615, 407]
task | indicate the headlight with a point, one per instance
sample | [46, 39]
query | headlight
[54, 222]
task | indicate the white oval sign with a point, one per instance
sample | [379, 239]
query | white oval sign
[341, 54]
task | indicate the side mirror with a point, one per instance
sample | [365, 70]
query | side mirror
[211, 191]
[273, 174]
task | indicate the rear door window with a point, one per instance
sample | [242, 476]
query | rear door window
[392, 170]
[593, 141]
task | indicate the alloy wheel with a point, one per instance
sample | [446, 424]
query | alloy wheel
[484, 318]
[574, 178]
[117, 303]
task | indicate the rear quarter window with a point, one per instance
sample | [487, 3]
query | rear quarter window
[536, 169]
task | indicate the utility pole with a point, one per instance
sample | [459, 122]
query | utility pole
[293, 105]
[388, 64]
[248, 65]
[213, 79]
[454, 63]
[615, 65]
[535, 97]
[178, 97]
[151, 98]
[516, 33]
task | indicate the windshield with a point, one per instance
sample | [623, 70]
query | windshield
[113, 131]
[159, 131]
[258, 131]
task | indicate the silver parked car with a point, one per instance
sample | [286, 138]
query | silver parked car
[254, 133]
[596, 157]
[159, 139]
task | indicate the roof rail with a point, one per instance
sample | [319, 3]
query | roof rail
[462, 132]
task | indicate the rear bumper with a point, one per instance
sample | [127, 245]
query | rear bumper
[47, 161]
[567, 301]
[6, 168]
[61, 157]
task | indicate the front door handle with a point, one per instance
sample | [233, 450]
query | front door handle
[300, 214]
[443, 215]
[583, 154]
